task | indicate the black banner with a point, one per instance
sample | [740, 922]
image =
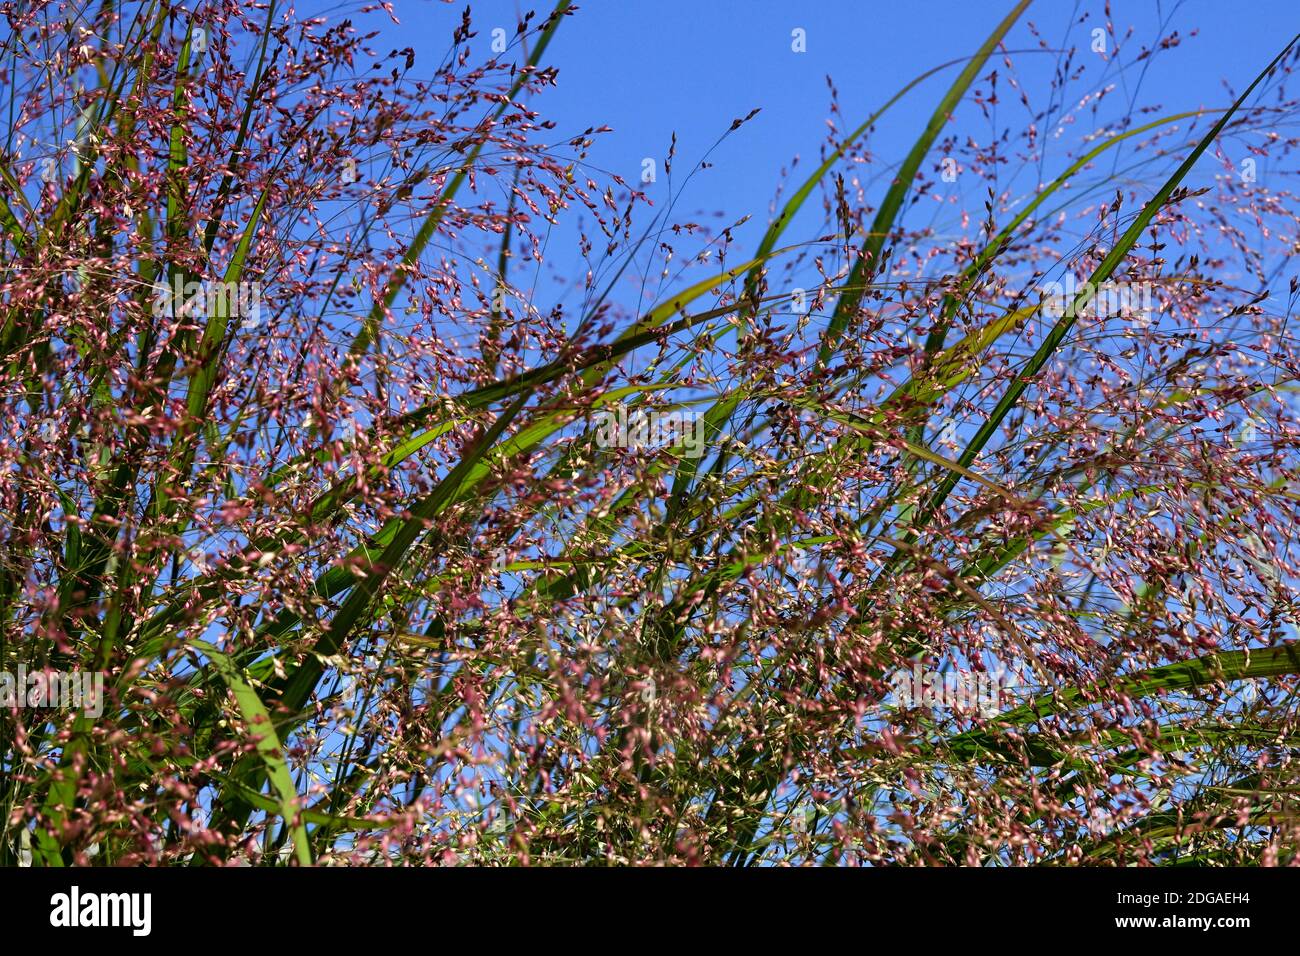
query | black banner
[144, 906]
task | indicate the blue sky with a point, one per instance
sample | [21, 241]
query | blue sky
[653, 69]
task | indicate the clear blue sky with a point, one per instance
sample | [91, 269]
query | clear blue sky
[649, 69]
[652, 69]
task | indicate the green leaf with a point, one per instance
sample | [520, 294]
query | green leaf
[267, 743]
